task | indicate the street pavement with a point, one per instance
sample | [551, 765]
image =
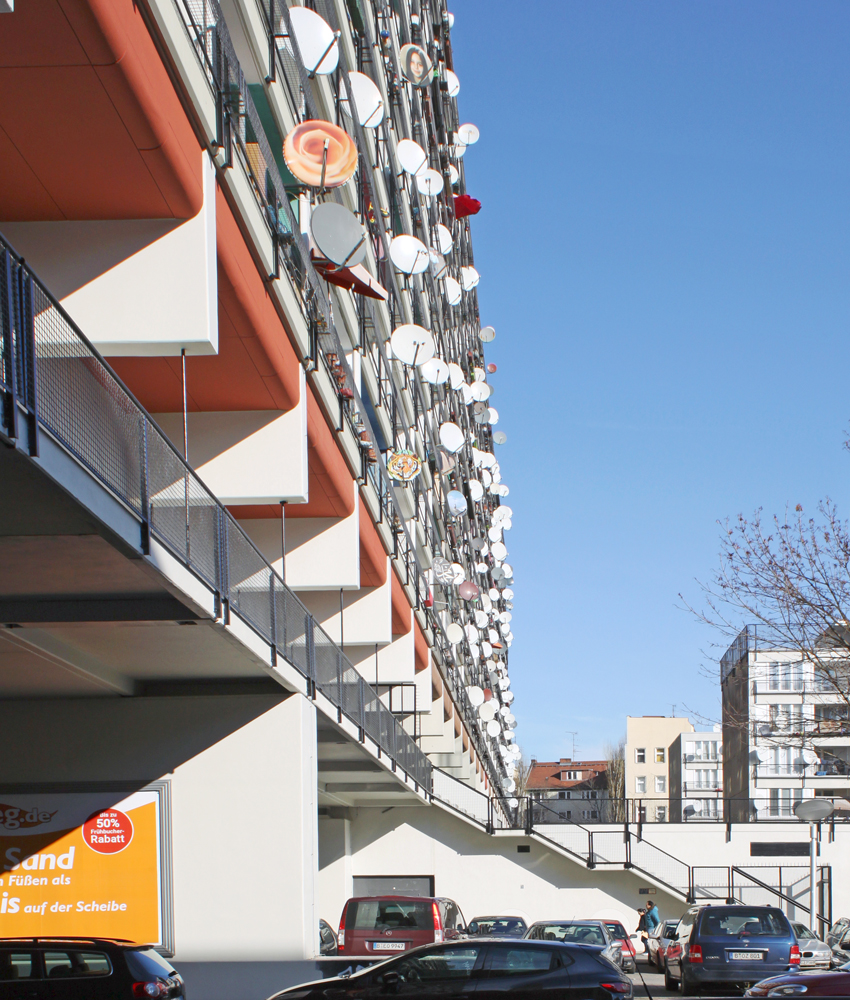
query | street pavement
[649, 982]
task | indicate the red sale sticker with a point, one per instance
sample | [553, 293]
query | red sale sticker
[108, 832]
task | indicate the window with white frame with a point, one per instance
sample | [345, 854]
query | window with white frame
[785, 716]
[660, 783]
[785, 677]
[640, 785]
[661, 814]
[640, 755]
[660, 755]
[703, 749]
[707, 777]
[783, 800]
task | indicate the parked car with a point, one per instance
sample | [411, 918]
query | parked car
[658, 941]
[84, 969]
[729, 945]
[592, 933]
[809, 984]
[621, 935]
[497, 927]
[840, 944]
[814, 953]
[489, 967]
[838, 930]
[327, 939]
[381, 925]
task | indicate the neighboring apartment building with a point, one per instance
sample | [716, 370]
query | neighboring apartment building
[786, 727]
[257, 212]
[568, 789]
[696, 776]
[648, 740]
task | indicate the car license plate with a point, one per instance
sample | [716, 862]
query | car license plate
[746, 956]
[388, 946]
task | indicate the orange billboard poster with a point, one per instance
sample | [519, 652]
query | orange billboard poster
[75, 864]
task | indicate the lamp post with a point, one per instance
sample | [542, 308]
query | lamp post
[812, 811]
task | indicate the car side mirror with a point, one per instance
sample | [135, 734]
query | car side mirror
[473, 928]
[633, 937]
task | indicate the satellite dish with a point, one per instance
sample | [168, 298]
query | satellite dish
[765, 730]
[367, 98]
[412, 157]
[415, 65]
[317, 42]
[508, 697]
[487, 711]
[472, 635]
[435, 371]
[456, 376]
[469, 592]
[481, 416]
[494, 416]
[454, 176]
[451, 20]
[500, 552]
[444, 239]
[458, 574]
[336, 232]
[486, 648]
[469, 278]
[468, 134]
[813, 810]
[409, 254]
[476, 696]
[413, 345]
[487, 334]
[783, 720]
[453, 82]
[502, 513]
[481, 619]
[508, 594]
[453, 292]
[443, 572]
[403, 466]
[429, 182]
[495, 533]
[513, 803]
[451, 437]
[457, 503]
[319, 153]
[809, 756]
[476, 490]
[439, 267]
[479, 391]
[493, 728]
[454, 633]
[500, 437]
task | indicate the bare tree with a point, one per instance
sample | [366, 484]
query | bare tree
[615, 777]
[522, 769]
[790, 577]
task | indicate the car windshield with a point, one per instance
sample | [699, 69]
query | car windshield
[383, 914]
[804, 933]
[573, 933]
[497, 926]
[743, 922]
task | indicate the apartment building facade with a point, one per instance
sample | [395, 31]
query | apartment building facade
[786, 727]
[696, 776]
[647, 753]
[566, 789]
[256, 572]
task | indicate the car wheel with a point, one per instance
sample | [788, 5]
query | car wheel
[670, 984]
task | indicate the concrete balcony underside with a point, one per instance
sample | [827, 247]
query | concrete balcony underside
[85, 613]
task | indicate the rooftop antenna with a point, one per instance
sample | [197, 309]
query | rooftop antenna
[673, 713]
[572, 733]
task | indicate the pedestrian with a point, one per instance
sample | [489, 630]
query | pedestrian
[641, 928]
[651, 916]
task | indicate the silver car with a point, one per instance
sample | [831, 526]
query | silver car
[590, 933]
[814, 953]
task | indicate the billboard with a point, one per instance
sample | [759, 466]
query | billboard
[84, 864]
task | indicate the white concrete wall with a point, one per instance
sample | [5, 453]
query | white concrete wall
[141, 287]
[323, 553]
[246, 842]
[366, 616]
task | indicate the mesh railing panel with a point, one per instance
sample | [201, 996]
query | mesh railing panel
[660, 864]
[462, 797]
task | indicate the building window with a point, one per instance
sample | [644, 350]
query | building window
[785, 677]
[783, 800]
[660, 783]
[660, 755]
[640, 755]
[661, 814]
[703, 749]
[640, 785]
[786, 717]
[562, 795]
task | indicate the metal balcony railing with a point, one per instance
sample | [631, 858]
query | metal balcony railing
[53, 379]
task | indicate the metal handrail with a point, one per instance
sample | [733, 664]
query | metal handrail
[47, 355]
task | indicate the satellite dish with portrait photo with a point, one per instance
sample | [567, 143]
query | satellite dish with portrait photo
[415, 65]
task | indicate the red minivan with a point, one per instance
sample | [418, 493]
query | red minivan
[386, 925]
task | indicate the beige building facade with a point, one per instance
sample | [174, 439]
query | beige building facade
[648, 739]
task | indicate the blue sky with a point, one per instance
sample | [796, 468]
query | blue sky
[664, 249]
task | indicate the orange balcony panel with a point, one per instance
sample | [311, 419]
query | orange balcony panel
[90, 124]
[421, 645]
[402, 612]
[373, 558]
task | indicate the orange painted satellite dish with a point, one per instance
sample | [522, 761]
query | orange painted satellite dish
[316, 145]
[403, 466]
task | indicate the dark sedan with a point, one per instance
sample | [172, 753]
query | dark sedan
[805, 984]
[529, 970]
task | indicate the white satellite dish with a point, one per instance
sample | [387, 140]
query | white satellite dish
[444, 239]
[453, 292]
[439, 265]
[458, 573]
[508, 594]
[429, 182]
[479, 391]
[413, 345]
[412, 157]
[454, 176]
[494, 416]
[367, 98]
[453, 82]
[499, 551]
[493, 728]
[476, 696]
[454, 633]
[451, 437]
[481, 618]
[469, 278]
[476, 490]
[443, 572]
[409, 254]
[435, 371]
[338, 235]
[494, 533]
[500, 437]
[493, 594]
[456, 376]
[487, 334]
[317, 42]
[487, 711]
[456, 502]
[468, 134]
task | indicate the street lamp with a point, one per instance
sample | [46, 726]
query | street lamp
[812, 811]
